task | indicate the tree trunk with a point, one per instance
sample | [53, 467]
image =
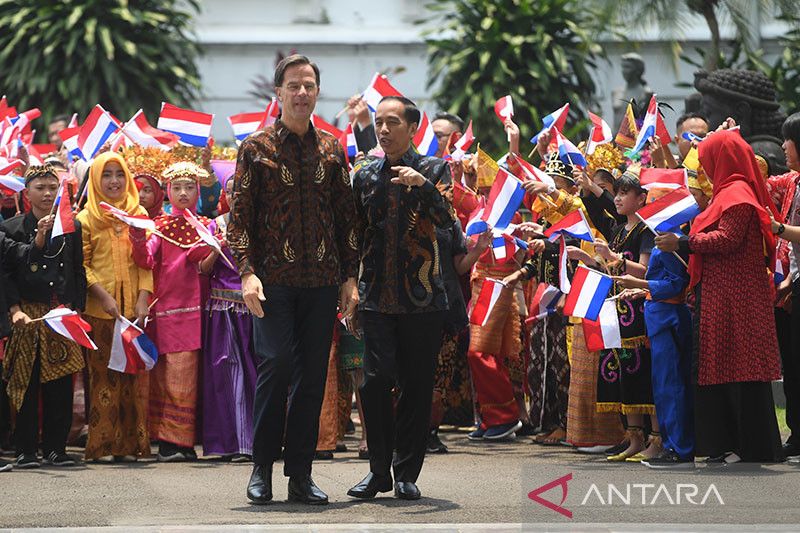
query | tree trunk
[712, 57]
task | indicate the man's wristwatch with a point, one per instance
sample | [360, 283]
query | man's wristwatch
[781, 229]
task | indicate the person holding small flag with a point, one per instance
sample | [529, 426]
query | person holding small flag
[116, 287]
[173, 252]
[36, 359]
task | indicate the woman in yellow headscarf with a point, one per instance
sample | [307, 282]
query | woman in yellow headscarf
[116, 287]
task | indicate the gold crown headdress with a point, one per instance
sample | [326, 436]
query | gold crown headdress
[184, 170]
[606, 157]
[148, 161]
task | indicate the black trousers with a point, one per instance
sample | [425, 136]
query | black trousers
[399, 350]
[791, 369]
[56, 415]
[292, 342]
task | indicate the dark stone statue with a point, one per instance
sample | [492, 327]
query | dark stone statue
[636, 87]
[748, 97]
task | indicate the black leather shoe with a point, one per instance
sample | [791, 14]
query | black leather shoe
[259, 488]
[791, 449]
[406, 490]
[370, 486]
[302, 489]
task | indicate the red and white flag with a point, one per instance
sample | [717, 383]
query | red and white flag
[135, 221]
[487, 298]
[64, 222]
[463, 143]
[69, 324]
[603, 333]
[378, 88]
[663, 178]
[504, 108]
[601, 133]
[320, 124]
[139, 131]
[271, 114]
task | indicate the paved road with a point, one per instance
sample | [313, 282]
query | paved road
[480, 483]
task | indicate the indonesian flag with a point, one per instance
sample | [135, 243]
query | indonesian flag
[601, 133]
[135, 221]
[321, 124]
[271, 114]
[131, 350]
[192, 127]
[64, 222]
[487, 298]
[378, 88]
[140, 132]
[463, 143]
[663, 178]
[603, 333]
[670, 211]
[504, 108]
[573, 224]
[69, 324]
[588, 292]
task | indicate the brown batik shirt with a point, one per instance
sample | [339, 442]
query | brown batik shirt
[294, 221]
[401, 264]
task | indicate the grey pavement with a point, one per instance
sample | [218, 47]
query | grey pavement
[476, 487]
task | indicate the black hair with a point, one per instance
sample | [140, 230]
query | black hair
[291, 61]
[791, 129]
[606, 175]
[627, 183]
[686, 116]
[410, 111]
[451, 118]
[59, 118]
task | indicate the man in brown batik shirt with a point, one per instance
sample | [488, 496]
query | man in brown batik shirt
[295, 236]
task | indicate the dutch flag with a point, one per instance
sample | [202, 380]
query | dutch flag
[193, 127]
[425, 139]
[670, 211]
[348, 142]
[543, 303]
[588, 292]
[649, 126]
[573, 224]
[505, 246]
[476, 224]
[244, 124]
[568, 152]
[557, 119]
[131, 350]
[504, 199]
[98, 127]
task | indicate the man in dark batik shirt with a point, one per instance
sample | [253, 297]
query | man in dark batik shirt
[295, 235]
[402, 298]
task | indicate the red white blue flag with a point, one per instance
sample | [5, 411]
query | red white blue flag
[557, 119]
[649, 126]
[484, 304]
[348, 142]
[425, 139]
[573, 224]
[505, 247]
[587, 294]
[670, 211]
[504, 199]
[543, 303]
[131, 350]
[531, 172]
[98, 128]
[568, 152]
[193, 127]
[245, 124]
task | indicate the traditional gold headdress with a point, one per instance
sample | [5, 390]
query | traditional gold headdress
[39, 171]
[184, 170]
[606, 157]
[148, 161]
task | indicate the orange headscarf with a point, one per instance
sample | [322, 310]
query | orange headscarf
[129, 202]
[730, 165]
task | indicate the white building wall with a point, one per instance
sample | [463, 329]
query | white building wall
[351, 40]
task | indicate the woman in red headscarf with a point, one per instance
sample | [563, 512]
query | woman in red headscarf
[732, 249]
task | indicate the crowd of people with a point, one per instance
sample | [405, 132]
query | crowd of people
[341, 278]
